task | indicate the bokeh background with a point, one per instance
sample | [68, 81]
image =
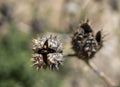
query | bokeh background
[22, 20]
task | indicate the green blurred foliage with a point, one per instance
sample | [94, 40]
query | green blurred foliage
[15, 69]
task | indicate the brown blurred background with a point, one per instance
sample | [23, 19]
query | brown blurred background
[22, 20]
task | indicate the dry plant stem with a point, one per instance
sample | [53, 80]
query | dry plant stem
[102, 75]
[69, 55]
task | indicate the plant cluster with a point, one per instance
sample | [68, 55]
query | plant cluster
[48, 51]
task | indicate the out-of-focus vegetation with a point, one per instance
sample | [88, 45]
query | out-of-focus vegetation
[22, 20]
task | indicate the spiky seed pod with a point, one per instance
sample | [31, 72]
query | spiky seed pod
[47, 52]
[85, 43]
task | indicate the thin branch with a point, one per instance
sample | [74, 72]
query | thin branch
[69, 55]
[101, 74]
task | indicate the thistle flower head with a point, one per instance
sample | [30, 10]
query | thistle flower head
[85, 43]
[47, 52]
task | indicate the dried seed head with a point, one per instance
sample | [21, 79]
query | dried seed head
[84, 43]
[47, 52]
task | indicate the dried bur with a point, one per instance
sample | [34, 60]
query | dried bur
[47, 52]
[85, 43]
